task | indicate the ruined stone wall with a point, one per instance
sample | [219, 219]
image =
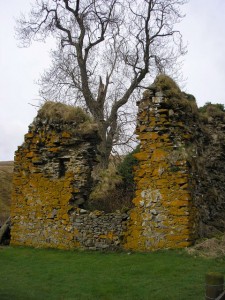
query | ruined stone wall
[210, 177]
[52, 182]
[180, 194]
[165, 213]
[98, 230]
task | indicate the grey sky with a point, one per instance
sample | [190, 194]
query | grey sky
[204, 65]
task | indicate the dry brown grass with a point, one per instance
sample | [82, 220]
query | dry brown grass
[109, 193]
[214, 247]
[106, 181]
[6, 172]
[55, 111]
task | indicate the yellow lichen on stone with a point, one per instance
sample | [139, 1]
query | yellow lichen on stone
[163, 216]
[49, 177]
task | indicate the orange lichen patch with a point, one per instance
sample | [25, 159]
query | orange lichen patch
[159, 155]
[183, 244]
[186, 232]
[54, 139]
[149, 136]
[178, 238]
[141, 156]
[134, 215]
[143, 182]
[161, 182]
[66, 134]
[179, 203]
[30, 154]
[156, 172]
[180, 124]
[36, 160]
[141, 172]
[142, 128]
[165, 111]
[164, 138]
[135, 242]
[110, 235]
[152, 147]
[76, 232]
[161, 244]
[184, 220]
[181, 180]
[186, 196]
[29, 135]
[54, 149]
[187, 136]
[179, 211]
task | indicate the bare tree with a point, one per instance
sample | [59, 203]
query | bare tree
[106, 50]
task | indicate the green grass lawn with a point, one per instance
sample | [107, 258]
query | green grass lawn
[27, 273]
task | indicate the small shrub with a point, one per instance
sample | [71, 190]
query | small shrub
[125, 169]
[209, 105]
[212, 110]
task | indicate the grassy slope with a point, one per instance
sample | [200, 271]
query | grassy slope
[6, 170]
[53, 274]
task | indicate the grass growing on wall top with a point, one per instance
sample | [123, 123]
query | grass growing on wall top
[176, 99]
[50, 274]
[168, 86]
[212, 110]
[55, 111]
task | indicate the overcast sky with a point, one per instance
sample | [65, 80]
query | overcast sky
[204, 66]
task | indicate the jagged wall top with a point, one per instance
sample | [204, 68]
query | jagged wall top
[173, 96]
[56, 114]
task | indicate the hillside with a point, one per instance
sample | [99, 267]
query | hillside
[6, 171]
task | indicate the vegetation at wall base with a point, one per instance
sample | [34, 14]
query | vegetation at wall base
[28, 273]
[6, 172]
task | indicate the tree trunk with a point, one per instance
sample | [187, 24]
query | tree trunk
[105, 147]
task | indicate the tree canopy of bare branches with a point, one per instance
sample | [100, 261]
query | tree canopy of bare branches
[106, 50]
